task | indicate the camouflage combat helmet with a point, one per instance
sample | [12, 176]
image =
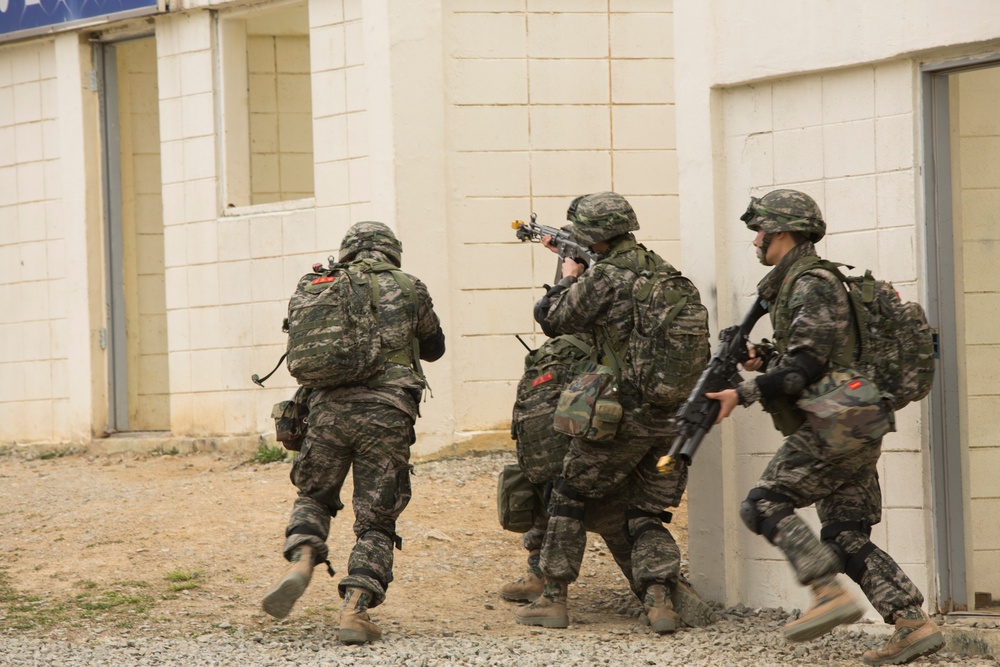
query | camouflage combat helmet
[600, 216]
[785, 211]
[370, 235]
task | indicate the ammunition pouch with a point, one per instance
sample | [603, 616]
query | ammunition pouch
[518, 500]
[291, 419]
[589, 407]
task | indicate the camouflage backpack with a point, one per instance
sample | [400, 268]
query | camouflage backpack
[333, 327]
[890, 342]
[547, 371]
[669, 346]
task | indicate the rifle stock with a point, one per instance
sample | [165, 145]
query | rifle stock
[695, 418]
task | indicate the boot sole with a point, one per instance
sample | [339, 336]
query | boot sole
[519, 598]
[349, 636]
[823, 624]
[544, 622]
[926, 646]
[692, 610]
[278, 601]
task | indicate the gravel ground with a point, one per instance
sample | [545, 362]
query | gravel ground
[741, 638]
[220, 623]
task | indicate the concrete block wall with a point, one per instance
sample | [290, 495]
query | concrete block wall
[847, 138]
[340, 118]
[196, 337]
[978, 132]
[546, 101]
[34, 325]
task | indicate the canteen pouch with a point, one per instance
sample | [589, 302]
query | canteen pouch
[291, 420]
[588, 407]
[847, 411]
[517, 500]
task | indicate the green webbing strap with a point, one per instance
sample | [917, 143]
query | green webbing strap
[409, 355]
[579, 344]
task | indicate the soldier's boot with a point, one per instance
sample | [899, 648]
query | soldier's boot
[278, 599]
[549, 609]
[355, 625]
[660, 609]
[831, 606]
[525, 589]
[691, 608]
[912, 639]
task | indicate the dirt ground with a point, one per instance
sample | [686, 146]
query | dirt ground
[168, 545]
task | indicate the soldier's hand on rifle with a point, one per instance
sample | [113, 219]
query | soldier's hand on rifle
[729, 400]
[754, 363]
[570, 266]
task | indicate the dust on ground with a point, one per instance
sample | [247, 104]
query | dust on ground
[185, 545]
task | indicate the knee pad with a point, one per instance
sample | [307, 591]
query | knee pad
[756, 520]
[852, 563]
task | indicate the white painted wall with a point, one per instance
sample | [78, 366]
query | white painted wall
[545, 101]
[33, 320]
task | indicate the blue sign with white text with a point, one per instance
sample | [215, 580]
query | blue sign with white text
[33, 16]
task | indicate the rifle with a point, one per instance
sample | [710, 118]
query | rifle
[695, 418]
[563, 240]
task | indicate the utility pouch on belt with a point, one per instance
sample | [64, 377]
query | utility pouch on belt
[588, 406]
[291, 419]
[847, 411]
[518, 500]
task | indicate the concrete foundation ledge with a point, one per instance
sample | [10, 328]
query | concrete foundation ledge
[150, 442]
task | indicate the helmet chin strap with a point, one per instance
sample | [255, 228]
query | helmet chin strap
[762, 249]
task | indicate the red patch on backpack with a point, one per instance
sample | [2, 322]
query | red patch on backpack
[542, 379]
[854, 385]
[324, 279]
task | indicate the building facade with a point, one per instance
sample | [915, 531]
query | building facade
[167, 173]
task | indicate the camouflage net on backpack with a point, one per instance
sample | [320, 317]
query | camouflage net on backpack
[547, 371]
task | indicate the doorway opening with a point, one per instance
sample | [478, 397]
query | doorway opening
[962, 189]
[136, 327]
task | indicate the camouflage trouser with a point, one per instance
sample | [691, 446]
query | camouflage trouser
[596, 479]
[846, 493]
[375, 439]
[605, 517]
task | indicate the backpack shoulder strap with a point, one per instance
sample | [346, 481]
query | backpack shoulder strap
[578, 343]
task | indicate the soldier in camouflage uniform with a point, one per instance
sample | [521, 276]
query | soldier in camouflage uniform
[368, 426]
[540, 453]
[593, 303]
[806, 469]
